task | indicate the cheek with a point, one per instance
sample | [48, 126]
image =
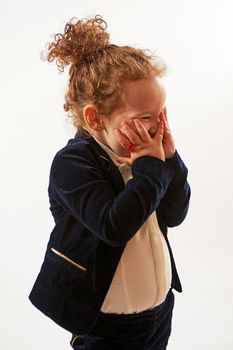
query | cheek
[149, 124]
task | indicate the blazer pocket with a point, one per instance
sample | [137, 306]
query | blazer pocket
[72, 262]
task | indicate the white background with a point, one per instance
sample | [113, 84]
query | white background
[195, 39]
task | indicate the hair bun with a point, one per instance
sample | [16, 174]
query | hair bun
[80, 38]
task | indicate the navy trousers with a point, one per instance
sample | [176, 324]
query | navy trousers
[147, 330]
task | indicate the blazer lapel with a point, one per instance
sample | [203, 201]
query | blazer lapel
[114, 174]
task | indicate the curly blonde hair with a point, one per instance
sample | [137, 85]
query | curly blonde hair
[97, 67]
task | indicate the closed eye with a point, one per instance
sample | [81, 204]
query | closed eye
[146, 117]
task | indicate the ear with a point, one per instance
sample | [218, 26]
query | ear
[92, 118]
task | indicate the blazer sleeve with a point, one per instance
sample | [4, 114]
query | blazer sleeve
[84, 192]
[175, 203]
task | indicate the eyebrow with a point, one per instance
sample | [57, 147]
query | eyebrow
[140, 113]
[149, 113]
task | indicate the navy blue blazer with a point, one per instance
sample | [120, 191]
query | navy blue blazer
[95, 215]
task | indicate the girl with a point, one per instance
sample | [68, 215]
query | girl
[108, 271]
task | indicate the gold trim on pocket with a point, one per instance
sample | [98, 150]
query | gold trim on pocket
[68, 259]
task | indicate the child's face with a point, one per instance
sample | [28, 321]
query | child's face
[145, 100]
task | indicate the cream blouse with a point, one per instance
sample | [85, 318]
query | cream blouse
[143, 275]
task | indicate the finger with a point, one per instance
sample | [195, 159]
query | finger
[130, 133]
[167, 129]
[165, 113]
[163, 116]
[160, 131]
[145, 137]
[124, 141]
[121, 138]
[166, 126]
[165, 120]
